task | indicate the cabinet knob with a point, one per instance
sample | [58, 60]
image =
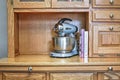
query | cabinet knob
[111, 28]
[30, 69]
[111, 15]
[110, 68]
[111, 2]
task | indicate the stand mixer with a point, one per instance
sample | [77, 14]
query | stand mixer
[65, 43]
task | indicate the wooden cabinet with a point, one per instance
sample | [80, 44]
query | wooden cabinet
[106, 3]
[71, 76]
[30, 24]
[106, 30]
[43, 67]
[30, 31]
[50, 3]
[61, 76]
[106, 39]
[31, 3]
[24, 76]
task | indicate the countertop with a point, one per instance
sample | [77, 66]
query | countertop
[47, 60]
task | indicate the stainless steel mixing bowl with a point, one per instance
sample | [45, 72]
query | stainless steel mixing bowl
[63, 44]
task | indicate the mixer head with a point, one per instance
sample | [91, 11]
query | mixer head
[63, 28]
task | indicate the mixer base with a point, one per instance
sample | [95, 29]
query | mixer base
[63, 55]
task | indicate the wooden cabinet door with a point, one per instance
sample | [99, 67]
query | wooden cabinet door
[106, 3]
[70, 3]
[24, 76]
[106, 39]
[112, 76]
[0, 75]
[31, 3]
[71, 76]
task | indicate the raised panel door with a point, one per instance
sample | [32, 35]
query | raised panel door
[32, 3]
[70, 3]
[24, 76]
[106, 40]
[71, 76]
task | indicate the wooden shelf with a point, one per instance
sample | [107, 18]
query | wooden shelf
[47, 60]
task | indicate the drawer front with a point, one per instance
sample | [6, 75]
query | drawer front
[70, 3]
[71, 76]
[31, 3]
[106, 3]
[24, 76]
[106, 15]
[106, 40]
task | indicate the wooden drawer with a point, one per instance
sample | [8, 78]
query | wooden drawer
[31, 3]
[24, 76]
[106, 3]
[106, 40]
[71, 76]
[106, 15]
[70, 3]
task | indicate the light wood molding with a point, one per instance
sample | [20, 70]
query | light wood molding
[11, 34]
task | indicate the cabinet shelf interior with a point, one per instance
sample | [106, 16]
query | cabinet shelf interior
[33, 31]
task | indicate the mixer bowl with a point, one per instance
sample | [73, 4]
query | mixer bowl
[63, 44]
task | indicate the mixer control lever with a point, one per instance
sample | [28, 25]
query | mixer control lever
[63, 20]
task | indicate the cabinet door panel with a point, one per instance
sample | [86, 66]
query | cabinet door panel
[31, 3]
[112, 76]
[0, 75]
[106, 39]
[71, 76]
[24, 76]
[70, 3]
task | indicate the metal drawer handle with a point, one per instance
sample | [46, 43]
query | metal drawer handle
[111, 2]
[111, 28]
[110, 68]
[111, 15]
[30, 69]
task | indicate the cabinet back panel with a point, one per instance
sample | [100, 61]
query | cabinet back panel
[35, 30]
